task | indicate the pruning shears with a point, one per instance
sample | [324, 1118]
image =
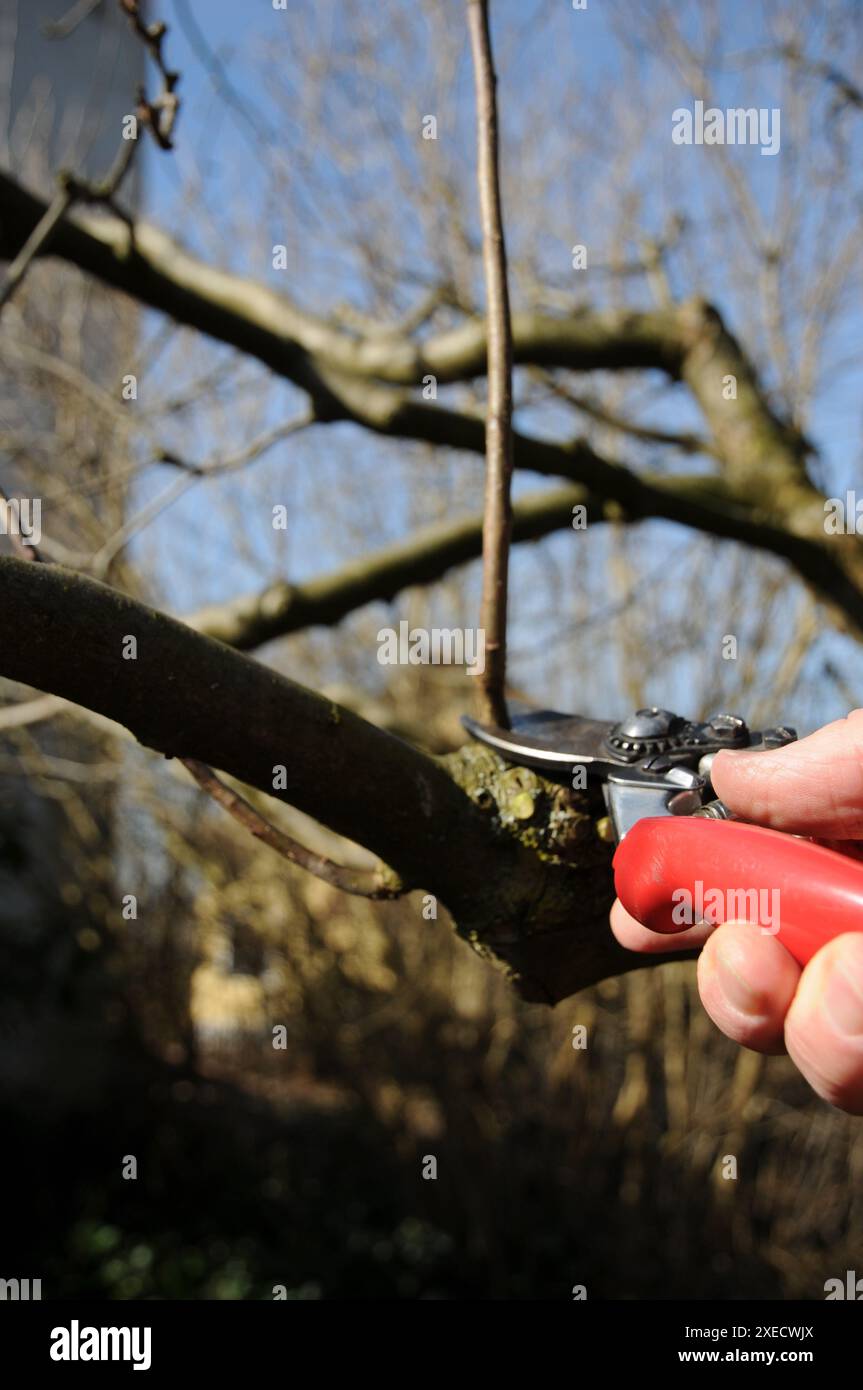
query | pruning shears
[679, 849]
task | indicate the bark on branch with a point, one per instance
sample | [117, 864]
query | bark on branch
[516, 860]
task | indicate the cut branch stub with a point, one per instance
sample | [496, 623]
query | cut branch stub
[543, 913]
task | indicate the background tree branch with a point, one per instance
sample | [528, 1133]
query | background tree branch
[281, 608]
[762, 459]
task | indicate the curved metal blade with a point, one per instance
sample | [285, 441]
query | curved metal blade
[544, 738]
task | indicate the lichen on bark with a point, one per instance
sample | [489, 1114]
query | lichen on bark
[557, 824]
[543, 909]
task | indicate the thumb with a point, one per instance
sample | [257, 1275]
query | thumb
[813, 787]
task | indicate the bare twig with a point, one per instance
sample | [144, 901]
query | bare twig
[160, 114]
[439, 296]
[497, 522]
[101, 562]
[192, 473]
[250, 454]
[373, 884]
[686, 440]
[71, 189]
[850, 94]
[35, 244]
[103, 190]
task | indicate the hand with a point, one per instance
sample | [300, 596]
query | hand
[749, 984]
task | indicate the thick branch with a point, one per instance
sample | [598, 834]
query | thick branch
[186, 695]
[534, 890]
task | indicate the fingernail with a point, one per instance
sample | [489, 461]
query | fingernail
[843, 1001]
[735, 986]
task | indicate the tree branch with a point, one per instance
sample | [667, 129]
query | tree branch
[429, 553]
[687, 342]
[256, 319]
[534, 892]
[424, 556]
[497, 515]
[764, 480]
[378, 883]
[161, 113]
[181, 695]
[686, 441]
[36, 243]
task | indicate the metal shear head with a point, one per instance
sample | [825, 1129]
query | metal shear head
[653, 763]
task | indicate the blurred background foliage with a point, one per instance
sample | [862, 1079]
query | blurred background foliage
[152, 1035]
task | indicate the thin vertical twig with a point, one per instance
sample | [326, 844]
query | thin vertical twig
[497, 517]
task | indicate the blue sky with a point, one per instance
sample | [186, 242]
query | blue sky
[556, 71]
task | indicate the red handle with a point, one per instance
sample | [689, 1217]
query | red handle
[673, 871]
